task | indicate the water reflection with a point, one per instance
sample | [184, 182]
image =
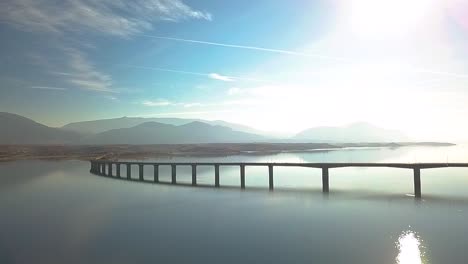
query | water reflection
[409, 247]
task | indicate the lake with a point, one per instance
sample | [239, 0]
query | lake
[57, 212]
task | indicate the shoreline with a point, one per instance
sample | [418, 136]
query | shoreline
[116, 152]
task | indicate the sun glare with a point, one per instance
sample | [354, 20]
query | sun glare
[388, 18]
[409, 249]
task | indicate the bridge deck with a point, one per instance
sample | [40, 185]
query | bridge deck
[105, 168]
[296, 164]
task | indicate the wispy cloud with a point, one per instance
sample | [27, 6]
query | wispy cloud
[187, 113]
[220, 77]
[64, 19]
[159, 102]
[111, 17]
[227, 45]
[79, 72]
[189, 105]
[48, 88]
[215, 76]
[164, 102]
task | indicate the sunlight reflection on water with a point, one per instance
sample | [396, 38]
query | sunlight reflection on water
[409, 247]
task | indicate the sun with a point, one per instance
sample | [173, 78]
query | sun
[380, 18]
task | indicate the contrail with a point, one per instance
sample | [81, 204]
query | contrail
[166, 70]
[48, 88]
[215, 76]
[287, 52]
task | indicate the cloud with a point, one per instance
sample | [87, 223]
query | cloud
[214, 76]
[159, 102]
[48, 88]
[189, 105]
[79, 72]
[164, 102]
[76, 71]
[106, 17]
[111, 17]
[220, 77]
[190, 113]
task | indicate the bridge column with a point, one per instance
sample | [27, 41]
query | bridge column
[118, 169]
[194, 174]
[156, 173]
[129, 171]
[173, 172]
[242, 176]
[417, 182]
[217, 175]
[110, 170]
[140, 172]
[103, 168]
[92, 170]
[270, 177]
[325, 180]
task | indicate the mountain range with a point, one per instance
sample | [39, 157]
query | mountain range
[159, 133]
[16, 129]
[353, 133]
[103, 125]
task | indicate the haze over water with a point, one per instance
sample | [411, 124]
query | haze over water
[57, 212]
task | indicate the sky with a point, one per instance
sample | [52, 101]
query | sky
[280, 66]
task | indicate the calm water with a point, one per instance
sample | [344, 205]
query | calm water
[56, 212]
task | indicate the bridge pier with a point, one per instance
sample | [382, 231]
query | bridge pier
[173, 172]
[156, 173]
[110, 170]
[194, 174]
[270, 177]
[129, 171]
[325, 180]
[217, 175]
[103, 168]
[118, 169]
[242, 176]
[140, 172]
[417, 182]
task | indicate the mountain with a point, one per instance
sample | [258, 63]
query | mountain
[353, 133]
[159, 133]
[16, 129]
[99, 126]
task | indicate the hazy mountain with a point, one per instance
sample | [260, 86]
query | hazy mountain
[159, 133]
[356, 132]
[99, 126]
[16, 129]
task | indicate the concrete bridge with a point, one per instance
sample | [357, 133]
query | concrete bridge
[105, 168]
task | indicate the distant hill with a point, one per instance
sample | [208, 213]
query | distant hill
[99, 126]
[16, 129]
[159, 133]
[353, 133]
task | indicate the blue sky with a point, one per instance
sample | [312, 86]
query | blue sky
[276, 65]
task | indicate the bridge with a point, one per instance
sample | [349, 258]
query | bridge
[105, 168]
